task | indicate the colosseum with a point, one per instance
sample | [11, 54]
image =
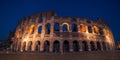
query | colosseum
[46, 32]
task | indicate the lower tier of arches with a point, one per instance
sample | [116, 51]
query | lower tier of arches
[62, 46]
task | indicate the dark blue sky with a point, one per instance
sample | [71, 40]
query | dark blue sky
[11, 11]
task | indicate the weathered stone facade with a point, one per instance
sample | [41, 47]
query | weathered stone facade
[46, 32]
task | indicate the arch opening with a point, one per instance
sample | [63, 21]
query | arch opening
[75, 46]
[74, 28]
[98, 46]
[65, 46]
[92, 46]
[89, 29]
[56, 27]
[46, 46]
[40, 29]
[85, 46]
[82, 28]
[56, 46]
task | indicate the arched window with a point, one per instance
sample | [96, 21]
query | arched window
[65, 46]
[85, 46]
[89, 29]
[46, 46]
[92, 46]
[32, 29]
[56, 47]
[75, 46]
[82, 28]
[74, 28]
[98, 46]
[48, 26]
[95, 28]
[56, 27]
[37, 46]
[24, 46]
[40, 29]
[101, 31]
[104, 45]
[65, 28]
[30, 46]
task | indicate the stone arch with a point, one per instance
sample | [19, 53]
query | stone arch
[56, 27]
[89, 29]
[37, 48]
[48, 27]
[85, 46]
[24, 46]
[56, 46]
[46, 46]
[104, 45]
[98, 46]
[65, 27]
[74, 27]
[66, 46]
[30, 46]
[82, 28]
[32, 28]
[92, 46]
[75, 46]
[95, 29]
[39, 29]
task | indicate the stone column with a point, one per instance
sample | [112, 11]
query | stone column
[81, 47]
[101, 46]
[71, 46]
[42, 46]
[61, 47]
[95, 45]
[51, 47]
[89, 46]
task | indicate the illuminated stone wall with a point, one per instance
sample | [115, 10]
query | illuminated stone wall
[46, 32]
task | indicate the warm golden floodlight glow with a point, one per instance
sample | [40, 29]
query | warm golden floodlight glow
[82, 28]
[96, 30]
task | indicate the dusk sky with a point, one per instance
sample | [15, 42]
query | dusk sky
[11, 11]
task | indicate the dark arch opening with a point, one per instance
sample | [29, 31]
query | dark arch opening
[85, 46]
[65, 46]
[98, 46]
[48, 26]
[104, 46]
[74, 28]
[56, 47]
[75, 46]
[37, 46]
[92, 46]
[56, 27]
[46, 46]
[89, 29]
[40, 29]
[101, 31]
[24, 46]
[65, 28]
[30, 46]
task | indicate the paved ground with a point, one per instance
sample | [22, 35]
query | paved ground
[109, 55]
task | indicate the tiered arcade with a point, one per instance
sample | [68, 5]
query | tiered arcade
[46, 32]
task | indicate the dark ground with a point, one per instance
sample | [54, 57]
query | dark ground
[109, 55]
